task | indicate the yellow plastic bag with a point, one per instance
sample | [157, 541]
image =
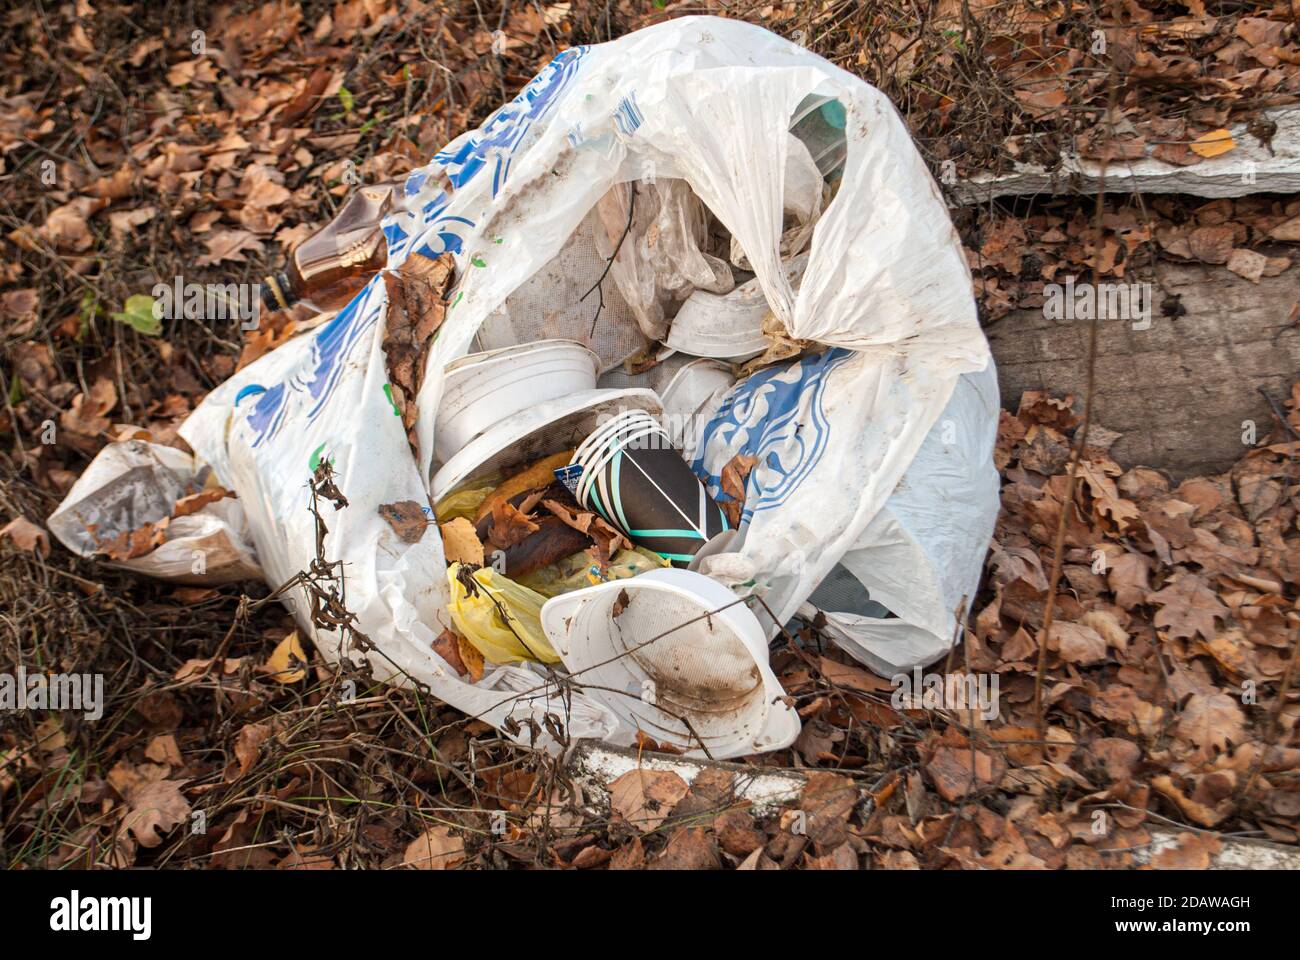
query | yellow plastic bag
[465, 501]
[581, 570]
[484, 623]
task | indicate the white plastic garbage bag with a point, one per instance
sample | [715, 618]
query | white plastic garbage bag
[701, 100]
[892, 599]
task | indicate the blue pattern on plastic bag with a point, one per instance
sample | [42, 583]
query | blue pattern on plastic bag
[775, 416]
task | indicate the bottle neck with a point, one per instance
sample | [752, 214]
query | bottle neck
[278, 292]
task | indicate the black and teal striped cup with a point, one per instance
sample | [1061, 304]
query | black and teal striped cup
[637, 480]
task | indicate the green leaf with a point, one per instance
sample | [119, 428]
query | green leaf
[15, 390]
[345, 98]
[138, 314]
[371, 122]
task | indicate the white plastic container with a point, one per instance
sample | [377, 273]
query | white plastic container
[694, 393]
[542, 429]
[483, 389]
[728, 326]
[683, 654]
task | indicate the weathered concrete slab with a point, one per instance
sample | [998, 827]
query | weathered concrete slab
[1251, 167]
[1181, 390]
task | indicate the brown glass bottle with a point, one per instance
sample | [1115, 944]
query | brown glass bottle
[327, 269]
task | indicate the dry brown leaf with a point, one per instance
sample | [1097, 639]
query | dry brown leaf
[86, 416]
[259, 342]
[164, 749]
[67, 227]
[1104, 622]
[1188, 607]
[956, 771]
[448, 645]
[645, 798]
[195, 502]
[1247, 263]
[226, 245]
[472, 659]
[734, 477]
[437, 848]
[1212, 244]
[26, 535]
[855, 678]
[1106, 498]
[1190, 851]
[689, 848]
[509, 526]
[407, 518]
[154, 808]
[1129, 578]
[1194, 810]
[130, 544]
[1212, 144]
[1077, 643]
[608, 540]
[460, 543]
[1212, 721]
[248, 747]
[280, 664]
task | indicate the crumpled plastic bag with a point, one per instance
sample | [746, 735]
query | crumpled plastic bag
[464, 501]
[583, 570]
[133, 483]
[501, 618]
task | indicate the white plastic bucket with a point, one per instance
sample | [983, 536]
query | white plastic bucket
[684, 661]
[544, 428]
[483, 389]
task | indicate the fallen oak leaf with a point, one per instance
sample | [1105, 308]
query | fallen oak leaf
[1212, 722]
[228, 245]
[1188, 607]
[1077, 643]
[154, 808]
[1106, 498]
